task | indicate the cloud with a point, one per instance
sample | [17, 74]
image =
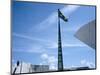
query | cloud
[44, 56]
[64, 44]
[73, 45]
[49, 60]
[69, 9]
[45, 44]
[47, 22]
[27, 37]
[37, 49]
[52, 59]
[32, 49]
[52, 19]
[87, 63]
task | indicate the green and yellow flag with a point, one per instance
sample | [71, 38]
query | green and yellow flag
[62, 16]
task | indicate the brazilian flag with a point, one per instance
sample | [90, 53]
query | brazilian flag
[62, 16]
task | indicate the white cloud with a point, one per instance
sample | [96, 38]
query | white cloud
[52, 19]
[64, 44]
[31, 50]
[53, 67]
[52, 45]
[28, 37]
[73, 45]
[47, 22]
[69, 9]
[37, 49]
[42, 48]
[44, 56]
[87, 63]
[22, 36]
[49, 44]
[50, 60]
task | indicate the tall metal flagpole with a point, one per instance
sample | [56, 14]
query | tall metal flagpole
[60, 57]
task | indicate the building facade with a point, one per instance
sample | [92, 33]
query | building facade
[29, 68]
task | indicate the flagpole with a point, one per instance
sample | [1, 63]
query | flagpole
[60, 57]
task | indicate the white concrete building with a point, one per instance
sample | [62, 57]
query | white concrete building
[28, 68]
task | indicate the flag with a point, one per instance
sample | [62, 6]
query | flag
[62, 16]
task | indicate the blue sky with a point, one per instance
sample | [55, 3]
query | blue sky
[34, 34]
